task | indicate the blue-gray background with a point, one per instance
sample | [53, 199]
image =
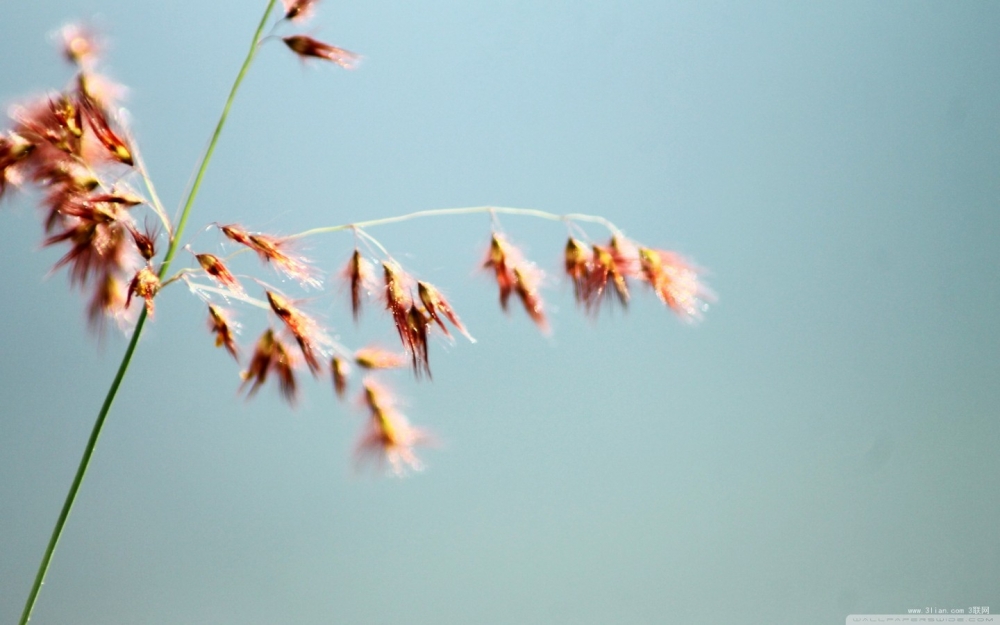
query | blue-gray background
[824, 443]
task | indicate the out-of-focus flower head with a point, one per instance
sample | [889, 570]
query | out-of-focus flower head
[340, 371]
[80, 44]
[378, 358]
[145, 284]
[13, 150]
[299, 10]
[307, 47]
[223, 329]
[500, 258]
[675, 281]
[418, 326]
[99, 237]
[577, 261]
[515, 275]
[358, 274]
[527, 279]
[610, 268]
[271, 356]
[97, 117]
[387, 438]
[107, 303]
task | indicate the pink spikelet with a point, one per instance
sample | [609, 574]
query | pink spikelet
[675, 281]
[306, 331]
[307, 47]
[387, 437]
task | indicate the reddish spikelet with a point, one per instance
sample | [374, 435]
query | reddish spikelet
[387, 437]
[270, 355]
[100, 89]
[97, 119]
[397, 301]
[145, 284]
[418, 324]
[98, 236]
[500, 260]
[675, 281]
[218, 271]
[13, 150]
[222, 328]
[299, 10]
[68, 116]
[611, 264]
[377, 358]
[237, 234]
[359, 275]
[340, 370]
[578, 259]
[516, 275]
[307, 47]
[145, 241]
[437, 305]
[68, 181]
[54, 122]
[304, 328]
[526, 281]
[272, 249]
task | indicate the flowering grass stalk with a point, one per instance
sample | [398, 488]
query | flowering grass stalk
[74, 147]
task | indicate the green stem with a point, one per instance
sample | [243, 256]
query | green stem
[81, 471]
[469, 210]
[134, 341]
[174, 243]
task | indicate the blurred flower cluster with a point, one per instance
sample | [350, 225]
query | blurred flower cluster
[75, 148]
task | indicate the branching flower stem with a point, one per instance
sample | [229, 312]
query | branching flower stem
[359, 226]
[469, 210]
[130, 350]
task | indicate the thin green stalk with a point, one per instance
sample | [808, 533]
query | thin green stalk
[469, 210]
[174, 244]
[81, 471]
[109, 399]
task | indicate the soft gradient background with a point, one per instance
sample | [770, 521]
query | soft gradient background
[825, 443]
